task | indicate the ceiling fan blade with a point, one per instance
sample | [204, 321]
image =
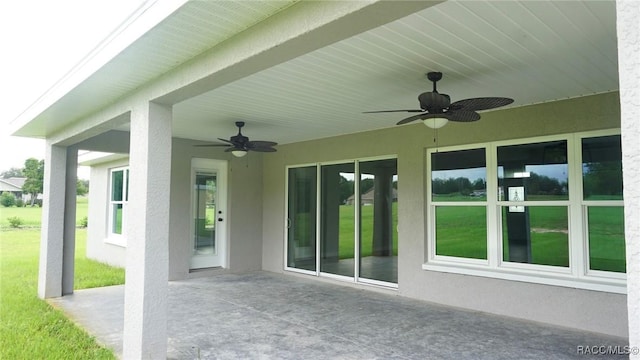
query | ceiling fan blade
[226, 140]
[262, 149]
[212, 145]
[234, 148]
[389, 111]
[481, 103]
[258, 143]
[462, 116]
[411, 118]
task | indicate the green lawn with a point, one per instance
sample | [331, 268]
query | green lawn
[32, 216]
[461, 232]
[606, 238]
[30, 328]
[347, 229]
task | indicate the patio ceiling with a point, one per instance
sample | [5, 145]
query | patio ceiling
[532, 51]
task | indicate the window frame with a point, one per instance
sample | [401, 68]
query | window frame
[111, 236]
[577, 274]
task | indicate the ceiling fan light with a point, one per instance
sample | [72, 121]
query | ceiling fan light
[239, 153]
[436, 122]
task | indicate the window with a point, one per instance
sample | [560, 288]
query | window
[530, 175]
[602, 201]
[118, 199]
[546, 210]
[459, 195]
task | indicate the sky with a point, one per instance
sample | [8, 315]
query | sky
[41, 41]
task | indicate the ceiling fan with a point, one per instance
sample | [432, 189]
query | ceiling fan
[239, 144]
[436, 109]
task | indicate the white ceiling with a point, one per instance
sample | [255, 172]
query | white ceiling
[533, 51]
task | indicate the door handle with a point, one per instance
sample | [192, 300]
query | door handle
[219, 219]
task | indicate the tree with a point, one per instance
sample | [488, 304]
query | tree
[7, 199]
[13, 172]
[603, 178]
[366, 185]
[346, 189]
[82, 187]
[34, 172]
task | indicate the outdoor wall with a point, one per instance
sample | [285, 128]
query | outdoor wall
[243, 218]
[97, 248]
[244, 213]
[588, 310]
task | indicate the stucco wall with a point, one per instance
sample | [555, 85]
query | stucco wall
[244, 213]
[629, 70]
[589, 310]
[243, 218]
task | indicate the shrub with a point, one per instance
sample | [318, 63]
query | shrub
[19, 202]
[84, 222]
[7, 199]
[15, 222]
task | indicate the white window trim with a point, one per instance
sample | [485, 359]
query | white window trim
[577, 275]
[113, 238]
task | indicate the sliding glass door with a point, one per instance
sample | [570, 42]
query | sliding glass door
[379, 220]
[301, 218]
[337, 219]
[351, 208]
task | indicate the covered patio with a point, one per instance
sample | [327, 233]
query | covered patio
[261, 315]
[301, 74]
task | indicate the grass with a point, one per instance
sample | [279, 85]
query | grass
[347, 229]
[461, 232]
[30, 328]
[606, 238]
[32, 216]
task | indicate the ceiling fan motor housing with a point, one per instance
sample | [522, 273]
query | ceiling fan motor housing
[434, 102]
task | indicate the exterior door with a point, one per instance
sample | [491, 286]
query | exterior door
[208, 215]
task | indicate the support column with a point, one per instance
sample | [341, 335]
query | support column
[330, 231]
[145, 313]
[69, 242]
[53, 219]
[628, 31]
[382, 212]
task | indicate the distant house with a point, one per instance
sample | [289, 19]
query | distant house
[14, 186]
[367, 198]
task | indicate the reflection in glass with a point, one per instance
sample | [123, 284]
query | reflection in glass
[116, 217]
[459, 175]
[540, 169]
[126, 193]
[606, 238]
[337, 220]
[117, 180]
[301, 222]
[205, 214]
[541, 237]
[378, 220]
[602, 168]
[461, 231]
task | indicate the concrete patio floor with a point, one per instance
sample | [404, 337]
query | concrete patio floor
[270, 316]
